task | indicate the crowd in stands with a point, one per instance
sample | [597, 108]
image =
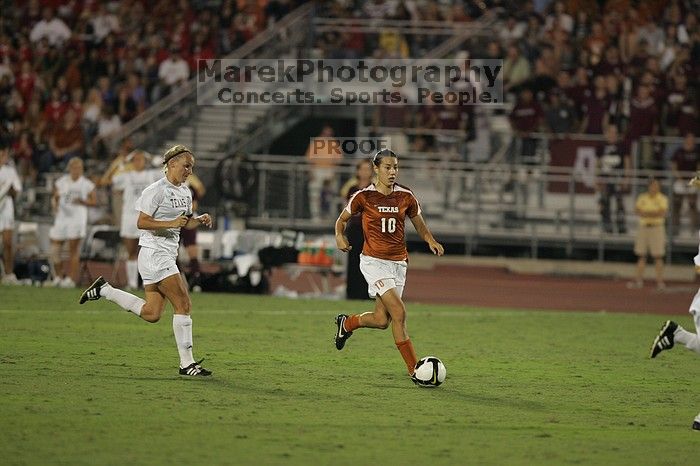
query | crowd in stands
[570, 66]
[72, 72]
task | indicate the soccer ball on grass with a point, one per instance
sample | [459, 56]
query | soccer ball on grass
[429, 372]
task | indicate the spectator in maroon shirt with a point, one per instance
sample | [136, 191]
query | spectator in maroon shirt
[53, 111]
[643, 122]
[676, 97]
[526, 118]
[685, 159]
[611, 63]
[66, 141]
[595, 108]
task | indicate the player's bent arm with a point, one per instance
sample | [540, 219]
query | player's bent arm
[146, 222]
[91, 200]
[204, 219]
[340, 224]
[425, 235]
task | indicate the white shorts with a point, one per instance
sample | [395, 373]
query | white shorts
[382, 275]
[7, 219]
[128, 226]
[695, 310]
[62, 231]
[155, 265]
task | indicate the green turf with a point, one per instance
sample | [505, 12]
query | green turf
[95, 385]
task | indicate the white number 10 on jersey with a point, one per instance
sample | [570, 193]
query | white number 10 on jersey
[388, 225]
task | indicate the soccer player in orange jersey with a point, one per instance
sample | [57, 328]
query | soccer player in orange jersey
[384, 206]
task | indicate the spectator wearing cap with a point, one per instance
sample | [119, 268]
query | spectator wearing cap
[651, 208]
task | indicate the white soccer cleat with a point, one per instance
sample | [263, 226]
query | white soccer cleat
[10, 279]
[67, 282]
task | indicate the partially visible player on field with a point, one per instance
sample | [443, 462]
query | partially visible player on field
[10, 186]
[671, 332]
[131, 184]
[164, 208]
[384, 206]
[188, 236]
[72, 195]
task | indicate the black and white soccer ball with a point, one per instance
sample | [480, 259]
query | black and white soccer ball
[429, 372]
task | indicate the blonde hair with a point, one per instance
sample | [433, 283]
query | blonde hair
[74, 161]
[174, 151]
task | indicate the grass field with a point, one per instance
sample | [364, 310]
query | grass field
[95, 385]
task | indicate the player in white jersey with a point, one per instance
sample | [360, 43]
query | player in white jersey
[671, 332]
[164, 207]
[10, 186]
[131, 184]
[72, 195]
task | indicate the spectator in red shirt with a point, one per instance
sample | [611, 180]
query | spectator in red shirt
[66, 141]
[53, 110]
[27, 81]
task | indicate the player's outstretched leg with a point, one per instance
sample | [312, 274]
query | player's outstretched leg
[665, 339]
[100, 288]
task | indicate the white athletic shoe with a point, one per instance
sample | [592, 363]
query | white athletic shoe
[57, 281]
[67, 283]
[10, 279]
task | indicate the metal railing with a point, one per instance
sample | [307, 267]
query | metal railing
[473, 204]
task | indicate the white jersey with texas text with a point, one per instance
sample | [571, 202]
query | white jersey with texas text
[163, 200]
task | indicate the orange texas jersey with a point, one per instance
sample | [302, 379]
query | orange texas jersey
[383, 220]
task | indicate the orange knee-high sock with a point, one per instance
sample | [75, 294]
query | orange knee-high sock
[408, 354]
[352, 323]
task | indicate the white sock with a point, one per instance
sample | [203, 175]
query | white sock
[690, 340]
[127, 301]
[182, 328]
[132, 274]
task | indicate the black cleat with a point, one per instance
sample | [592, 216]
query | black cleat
[341, 335]
[696, 425]
[92, 293]
[195, 370]
[664, 340]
